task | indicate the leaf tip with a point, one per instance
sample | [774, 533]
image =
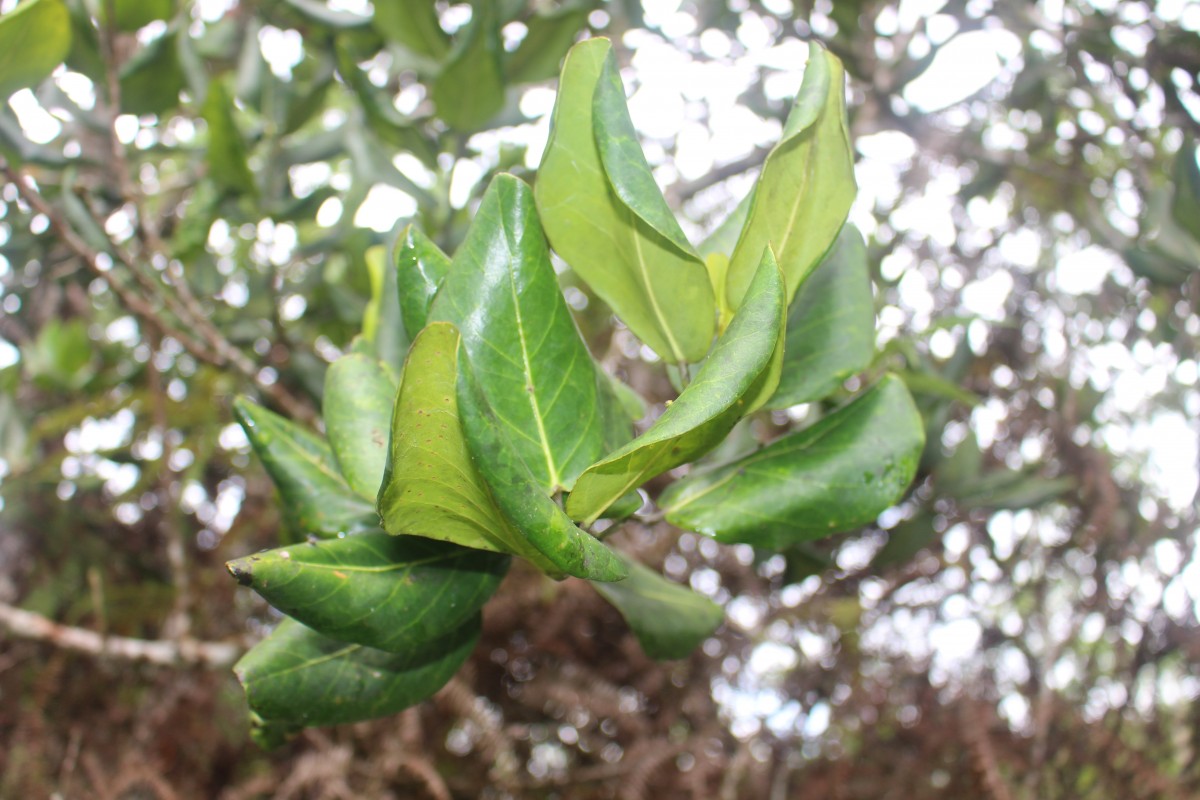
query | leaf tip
[241, 571]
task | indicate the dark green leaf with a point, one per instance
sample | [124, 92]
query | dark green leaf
[652, 280]
[316, 498]
[358, 414]
[518, 493]
[831, 325]
[548, 37]
[296, 677]
[394, 593]
[227, 164]
[727, 387]
[1186, 205]
[421, 267]
[806, 186]
[430, 486]
[134, 14]
[470, 89]
[1011, 488]
[152, 79]
[534, 368]
[835, 476]
[669, 620]
[34, 39]
[413, 24]
[906, 540]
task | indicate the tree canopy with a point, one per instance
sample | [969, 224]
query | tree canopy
[208, 199]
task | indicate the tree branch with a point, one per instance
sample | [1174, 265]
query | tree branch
[182, 652]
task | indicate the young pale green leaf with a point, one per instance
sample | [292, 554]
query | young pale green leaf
[297, 678]
[430, 485]
[831, 325]
[730, 384]
[469, 91]
[548, 36]
[413, 24]
[519, 494]
[532, 364]
[837, 475]
[34, 39]
[806, 186]
[358, 412]
[393, 593]
[227, 164]
[605, 216]
[316, 498]
[421, 266]
[669, 620]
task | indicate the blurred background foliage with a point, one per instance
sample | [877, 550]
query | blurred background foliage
[199, 204]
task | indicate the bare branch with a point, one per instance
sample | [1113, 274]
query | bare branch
[182, 652]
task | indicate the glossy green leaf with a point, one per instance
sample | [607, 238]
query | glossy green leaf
[152, 79]
[727, 387]
[227, 164]
[653, 281]
[548, 36]
[297, 678]
[540, 520]
[469, 91]
[430, 486]
[316, 498]
[532, 364]
[421, 266]
[834, 476]
[358, 414]
[831, 325]
[34, 39]
[393, 593]
[807, 183]
[669, 620]
[413, 24]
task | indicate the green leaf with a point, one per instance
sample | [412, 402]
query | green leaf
[61, 356]
[135, 14]
[726, 388]
[548, 37]
[383, 323]
[606, 217]
[358, 413]
[669, 620]
[835, 476]
[316, 498]
[807, 183]
[533, 366]
[393, 593]
[934, 385]
[227, 164]
[296, 677]
[906, 540]
[152, 79]
[421, 267]
[34, 39]
[831, 325]
[519, 494]
[1185, 207]
[430, 486]
[413, 24]
[319, 12]
[470, 89]
[1010, 488]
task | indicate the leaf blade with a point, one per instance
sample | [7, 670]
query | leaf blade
[729, 385]
[391, 593]
[630, 265]
[421, 267]
[35, 37]
[668, 620]
[833, 476]
[358, 410]
[806, 186]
